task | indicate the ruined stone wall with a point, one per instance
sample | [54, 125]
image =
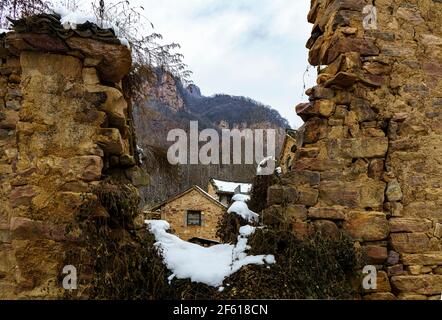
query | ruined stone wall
[64, 127]
[369, 155]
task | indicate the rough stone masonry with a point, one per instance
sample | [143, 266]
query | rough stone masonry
[64, 122]
[369, 156]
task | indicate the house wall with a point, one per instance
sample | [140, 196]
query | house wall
[175, 212]
[212, 191]
[287, 156]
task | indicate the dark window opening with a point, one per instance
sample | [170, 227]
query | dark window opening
[194, 218]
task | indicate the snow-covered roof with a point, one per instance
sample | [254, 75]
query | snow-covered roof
[229, 187]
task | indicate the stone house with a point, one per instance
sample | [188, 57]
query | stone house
[288, 151]
[223, 191]
[193, 215]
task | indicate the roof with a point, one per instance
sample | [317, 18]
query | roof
[51, 23]
[288, 136]
[229, 186]
[196, 188]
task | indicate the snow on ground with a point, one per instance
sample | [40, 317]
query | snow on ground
[4, 31]
[206, 265]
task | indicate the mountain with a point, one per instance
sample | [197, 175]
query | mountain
[164, 103]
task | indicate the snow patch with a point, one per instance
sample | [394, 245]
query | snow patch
[247, 230]
[141, 154]
[199, 264]
[264, 164]
[71, 19]
[241, 197]
[4, 31]
[240, 208]
[124, 42]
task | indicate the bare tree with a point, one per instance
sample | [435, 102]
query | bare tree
[20, 8]
[131, 23]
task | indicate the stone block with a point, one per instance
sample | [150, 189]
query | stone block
[367, 226]
[326, 213]
[315, 129]
[301, 177]
[394, 191]
[275, 195]
[393, 258]
[326, 228]
[376, 168]
[296, 212]
[90, 76]
[363, 110]
[22, 196]
[367, 147]
[365, 194]
[307, 196]
[409, 225]
[438, 230]
[87, 168]
[116, 59]
[409, 242]
[110, 140]
[375, 254]
[395, 270]
[425, 259]
[339, 45]
[314, 164]
[420, 284]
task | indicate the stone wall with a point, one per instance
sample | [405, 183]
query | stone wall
[65, 126]
[368, 160]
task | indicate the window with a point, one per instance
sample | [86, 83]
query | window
[194, 218]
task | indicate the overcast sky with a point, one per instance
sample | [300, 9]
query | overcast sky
[253, 48]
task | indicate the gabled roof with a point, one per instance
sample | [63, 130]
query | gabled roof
[230, 186]
[196, 188]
